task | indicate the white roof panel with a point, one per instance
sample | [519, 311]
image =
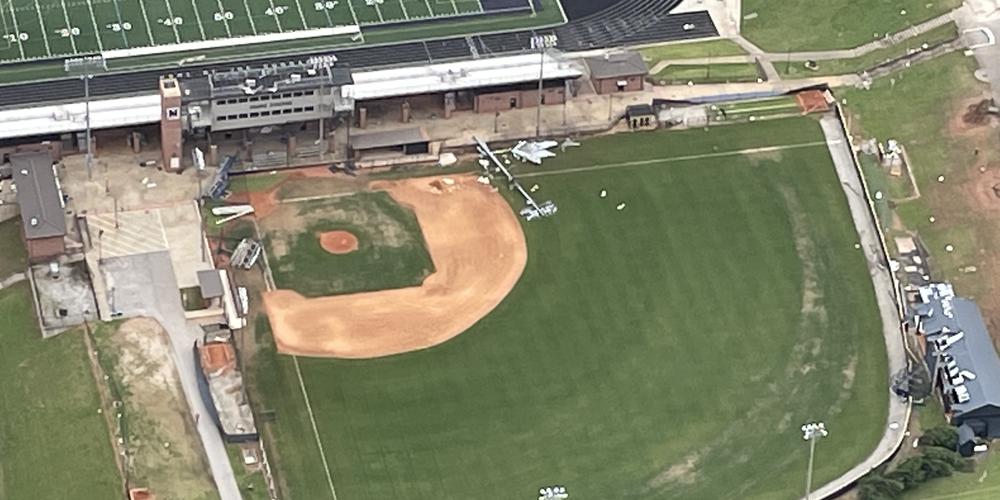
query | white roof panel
[62, 118]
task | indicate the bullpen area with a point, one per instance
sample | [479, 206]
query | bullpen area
[697, 297]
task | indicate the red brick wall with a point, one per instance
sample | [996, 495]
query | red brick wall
[610, 85]
[497, 101]
[43, 249]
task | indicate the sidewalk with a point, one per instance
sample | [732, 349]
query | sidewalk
[899, 411]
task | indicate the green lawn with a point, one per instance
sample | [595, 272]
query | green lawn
[702, 73]
[782, 25]
[983, 484]
[689, 50]
[53, 443]
[915, 110]
[251, 483]
[669, 350]
[796, 69]
[15, 255]
[391, 251]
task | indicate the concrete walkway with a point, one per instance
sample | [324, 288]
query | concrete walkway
[899, 410]
[144, 285]
[12, 280]
[988, 57]
[766, 60]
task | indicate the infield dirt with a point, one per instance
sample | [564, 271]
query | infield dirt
[479, 253]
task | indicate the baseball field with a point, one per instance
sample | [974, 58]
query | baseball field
[667, 349]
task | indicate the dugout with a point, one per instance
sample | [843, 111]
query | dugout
[389, 144]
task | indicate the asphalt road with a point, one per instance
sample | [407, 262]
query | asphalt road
[144, 285]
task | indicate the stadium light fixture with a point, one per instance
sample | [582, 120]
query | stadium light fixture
[812, 432]
[85, 68]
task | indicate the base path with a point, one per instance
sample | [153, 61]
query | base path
[479, 253]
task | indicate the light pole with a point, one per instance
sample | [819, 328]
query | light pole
[812, 432]
[85, 67]
[541, 42]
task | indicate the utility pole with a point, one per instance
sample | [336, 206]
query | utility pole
[812, 432]
[85, 67]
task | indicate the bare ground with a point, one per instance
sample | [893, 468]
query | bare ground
[165, 452]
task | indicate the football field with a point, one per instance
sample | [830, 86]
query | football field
[667, 349]
[40, 29]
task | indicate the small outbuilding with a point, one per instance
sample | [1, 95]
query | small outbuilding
[40, 200]
[390, 143]
[619, 72]
[641, 117]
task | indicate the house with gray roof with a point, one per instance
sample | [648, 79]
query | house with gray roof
[961, 358]
[618, 72]
[40, 199]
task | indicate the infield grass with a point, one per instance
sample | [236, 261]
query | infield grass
[782, 25]
[391, 251]
[53, 443]
[668, 350]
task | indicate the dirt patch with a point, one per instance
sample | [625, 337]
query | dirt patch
[479, 253]
[970, 117]
[338, 242]
[165, 452]
[263, 202]
[683, 472]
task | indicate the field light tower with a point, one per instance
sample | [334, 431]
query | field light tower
[812, 432]
[85, 68]
[541, 43]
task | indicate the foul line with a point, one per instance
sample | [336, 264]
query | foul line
[639, 163]
[269, 284]
[319, 444]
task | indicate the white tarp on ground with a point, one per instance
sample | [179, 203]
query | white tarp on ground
[72, 117]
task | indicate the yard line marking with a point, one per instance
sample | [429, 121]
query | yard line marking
[222, 11]
[121, 21]
[97, 32]
[312, 420]
[354, 15]
[480, 2]
[454, 6]
[405, 14]
[72, 39]
[17, 31]
[379, 12]
[250, 16]
[298, 6]
[170, 12]
[197, 16]
[274, 14]
[654, 161]
[430, 11]
[41, 22]
[149, 30]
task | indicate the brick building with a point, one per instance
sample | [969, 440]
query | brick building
[620, 72]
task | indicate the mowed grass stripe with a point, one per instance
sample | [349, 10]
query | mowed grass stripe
[53, 443]
[637, 341]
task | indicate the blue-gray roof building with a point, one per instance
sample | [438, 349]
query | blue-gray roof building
[961, 357]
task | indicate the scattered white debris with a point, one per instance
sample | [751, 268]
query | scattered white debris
[448, 181]
[144, 180]
[447, 159]
[484, 162]
[932, 219]
[272, 172]
[857, 246]
[604, 193]
[940, 178]
[151, 185]
[621, 206]
[949, 248]
[482, 179]
[894, 425]
[878, 195]
[534, 188]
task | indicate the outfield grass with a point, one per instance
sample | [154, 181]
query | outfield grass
[668, 350]
[783, 25]
[53, 443]
[391, 251]
[15, 255]
[868, 61]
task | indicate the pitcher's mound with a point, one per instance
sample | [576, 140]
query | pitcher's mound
[338, 242]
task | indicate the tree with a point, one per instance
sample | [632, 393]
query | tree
[910, 472]
[951, 457]
[942, 436]
[876, 486]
